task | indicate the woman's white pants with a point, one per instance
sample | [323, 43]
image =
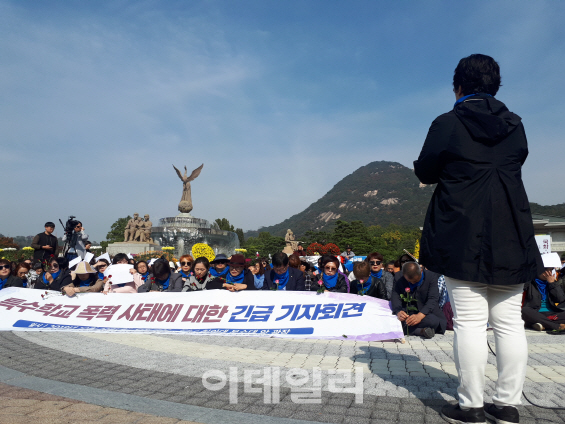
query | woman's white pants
[475, 304]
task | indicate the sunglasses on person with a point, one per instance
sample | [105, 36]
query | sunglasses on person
[4, 266]
[376, 262]
[183, 263]
[330, 268]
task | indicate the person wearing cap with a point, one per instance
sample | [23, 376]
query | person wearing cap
[282, 276]
[45, 244]
[219, 266]
[237, 278]
[542, 295]
[348, 254]
[85, 281]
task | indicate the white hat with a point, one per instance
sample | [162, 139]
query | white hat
[119, 274]
[84, 268]
[551, 260]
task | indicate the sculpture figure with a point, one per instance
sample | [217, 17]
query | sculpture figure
[290, 240]
[143, 234]
[185, 205]
[132, 227]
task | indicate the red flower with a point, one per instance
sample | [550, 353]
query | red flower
[407, 289]
[361, 281]
[320, 282]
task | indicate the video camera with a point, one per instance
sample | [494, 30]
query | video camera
[69, 226]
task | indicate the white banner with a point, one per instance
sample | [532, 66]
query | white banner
[219, 312]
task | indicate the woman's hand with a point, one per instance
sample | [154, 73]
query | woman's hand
[402, 316]
[549, 276]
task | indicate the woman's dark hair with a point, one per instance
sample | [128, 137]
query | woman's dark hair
[477, 73]
[21, 265]
[405, 258]
[161, 268]
[63, 263]
[294, 261]
[374, 256]
[136, 266]
[105, 261]
[120, 257]
[280, 259]
[326, 259]
[265, 267]
[5, 262]
[201, 260]
[306, 264]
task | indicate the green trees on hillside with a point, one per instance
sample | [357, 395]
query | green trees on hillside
[390, 240]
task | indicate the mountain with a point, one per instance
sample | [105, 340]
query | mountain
[380, 193]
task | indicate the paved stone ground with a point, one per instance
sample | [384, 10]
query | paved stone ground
[19, 405]
[401, 382]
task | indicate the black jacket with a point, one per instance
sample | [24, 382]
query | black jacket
[295, 280]
[63, 279]
[478, 225]
[218, 282]
[427, 297]
[13, 281]
[340, 286]
[532, 297]
[376, 289]
[175, 284]
[43, 239]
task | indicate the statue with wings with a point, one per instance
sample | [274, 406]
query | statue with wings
[185, 205]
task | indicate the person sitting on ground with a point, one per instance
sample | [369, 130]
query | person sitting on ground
[85, 281]
[100, 266]
[219, 266]
[265, 263]
[422, 286]
[237, 278]
[403, 259]
[163, 279]
[390, 268]
[143, 270]
[22, 270]
[348, 253]
[366, 285]
[306, 270]
[185, 267]
[294, 261]
[256, 268]
[200, 278]
[539, 309]
[131, 285]
[34, 274]
[57, 276]
[330, 278]
[6, 277]
[120, 258]
[375, 261]
[282, 276]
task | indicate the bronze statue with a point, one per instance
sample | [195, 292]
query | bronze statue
[185, 205]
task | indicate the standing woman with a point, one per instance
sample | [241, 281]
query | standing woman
[330, 278]
[479, 234]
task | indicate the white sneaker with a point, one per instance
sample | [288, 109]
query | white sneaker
[538, 327]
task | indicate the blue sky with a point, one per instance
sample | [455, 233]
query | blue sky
[279, 99]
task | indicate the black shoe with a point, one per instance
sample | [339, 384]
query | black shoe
[455, 415]
[428, 333]
[506, 415]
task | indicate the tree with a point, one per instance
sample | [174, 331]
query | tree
[224, 224]
[265, 244]
[117, 230]
[8, 242]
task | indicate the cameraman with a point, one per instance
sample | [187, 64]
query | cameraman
[77, 242]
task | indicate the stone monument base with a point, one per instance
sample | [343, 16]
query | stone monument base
[288, 250]
[131, 247]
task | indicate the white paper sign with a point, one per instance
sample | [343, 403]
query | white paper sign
[544, 243]
[218, 312]
[88, 257]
